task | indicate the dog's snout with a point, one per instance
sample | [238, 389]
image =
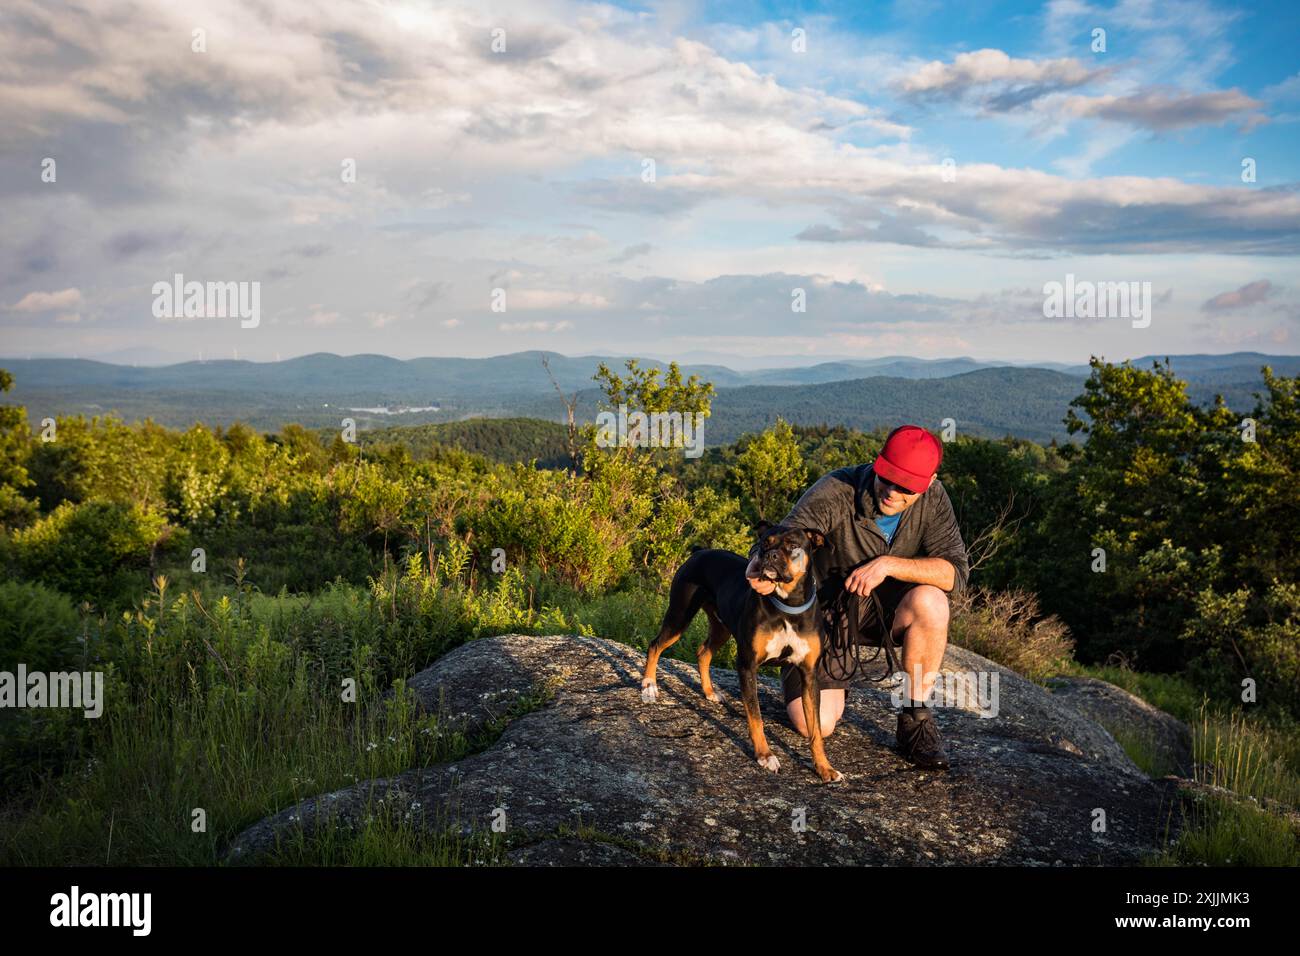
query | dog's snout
[776, 566]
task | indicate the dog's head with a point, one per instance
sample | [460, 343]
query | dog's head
[783, 552]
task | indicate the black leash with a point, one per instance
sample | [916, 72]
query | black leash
[843, 661]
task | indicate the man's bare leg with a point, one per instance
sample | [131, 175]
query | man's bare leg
[921, 629]
[832, 708]
[921, 626]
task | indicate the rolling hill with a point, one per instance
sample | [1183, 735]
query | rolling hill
[319, 390]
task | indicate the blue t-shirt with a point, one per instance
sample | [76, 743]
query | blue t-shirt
[888, 524]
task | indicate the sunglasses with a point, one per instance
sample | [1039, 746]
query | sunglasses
[891, 485]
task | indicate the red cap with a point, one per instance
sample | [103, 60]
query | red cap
[910, 456]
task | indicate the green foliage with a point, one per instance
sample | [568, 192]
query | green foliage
[582, 531]
[15, 450]
[375, 504]
[770, 473]
[1247, 786]
[98, 551]
[100, 458]
[642, 390]
[716, 522]
[14, 436]
[1238, 633]
[1180, 503]
[461, 444]
[998, 489]
[1260, 479]
[39, 627]
[234, 704]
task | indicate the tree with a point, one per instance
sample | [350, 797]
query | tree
[642, 391]
[770, 473]
[15, 445]
[1177, 502]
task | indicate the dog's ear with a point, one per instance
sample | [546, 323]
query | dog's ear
[763, 527]
[815, 538]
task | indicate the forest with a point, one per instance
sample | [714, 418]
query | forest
[226, 580]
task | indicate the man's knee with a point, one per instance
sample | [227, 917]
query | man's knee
[927, 606]
[832, 707]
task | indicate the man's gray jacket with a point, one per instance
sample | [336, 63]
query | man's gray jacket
[842, 506]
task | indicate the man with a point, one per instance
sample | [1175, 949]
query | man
[893, 555]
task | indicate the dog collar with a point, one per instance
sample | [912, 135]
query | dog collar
[789, 609]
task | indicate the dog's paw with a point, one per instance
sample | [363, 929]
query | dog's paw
[715, 697]
[649, 693]
[834, 776]
[769, 763]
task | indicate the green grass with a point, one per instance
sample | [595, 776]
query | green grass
[133, 802]
[235, 709]
[389, 838]
[1220, 831]
[1256, 759]
[1255, 755]
[1150, 758]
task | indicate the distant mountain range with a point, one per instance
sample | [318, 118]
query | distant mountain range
[319, 390]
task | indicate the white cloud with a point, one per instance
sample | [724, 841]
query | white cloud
[535, 326]
[47, 301]
[554, 299]
[1252, 293]
[983, 67]
[321, 316]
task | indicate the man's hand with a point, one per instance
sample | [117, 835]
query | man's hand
[761, 585]
[869, 576]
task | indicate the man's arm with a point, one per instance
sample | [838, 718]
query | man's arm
[941, 539]
[937, 571]
[944, 565]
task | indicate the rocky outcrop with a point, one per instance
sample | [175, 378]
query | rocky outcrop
[1169, 739]
[675, 782]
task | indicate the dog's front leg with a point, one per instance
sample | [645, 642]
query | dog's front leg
[749, 694]
[812, 720]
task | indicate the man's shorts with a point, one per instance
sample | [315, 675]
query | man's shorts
[836, 671]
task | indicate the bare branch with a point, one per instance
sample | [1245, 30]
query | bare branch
[990, 540]
[570, 408]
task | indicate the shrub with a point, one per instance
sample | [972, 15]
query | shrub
[1240, 634]
[38, 627]
[96, 551]
[562, 525]
[1008, 627]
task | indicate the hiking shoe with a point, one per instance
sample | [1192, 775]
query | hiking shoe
[919, 742]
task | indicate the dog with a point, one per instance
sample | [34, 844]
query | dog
[783, 625]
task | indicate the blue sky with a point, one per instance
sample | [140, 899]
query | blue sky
[1256, 44]
[917, 172]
